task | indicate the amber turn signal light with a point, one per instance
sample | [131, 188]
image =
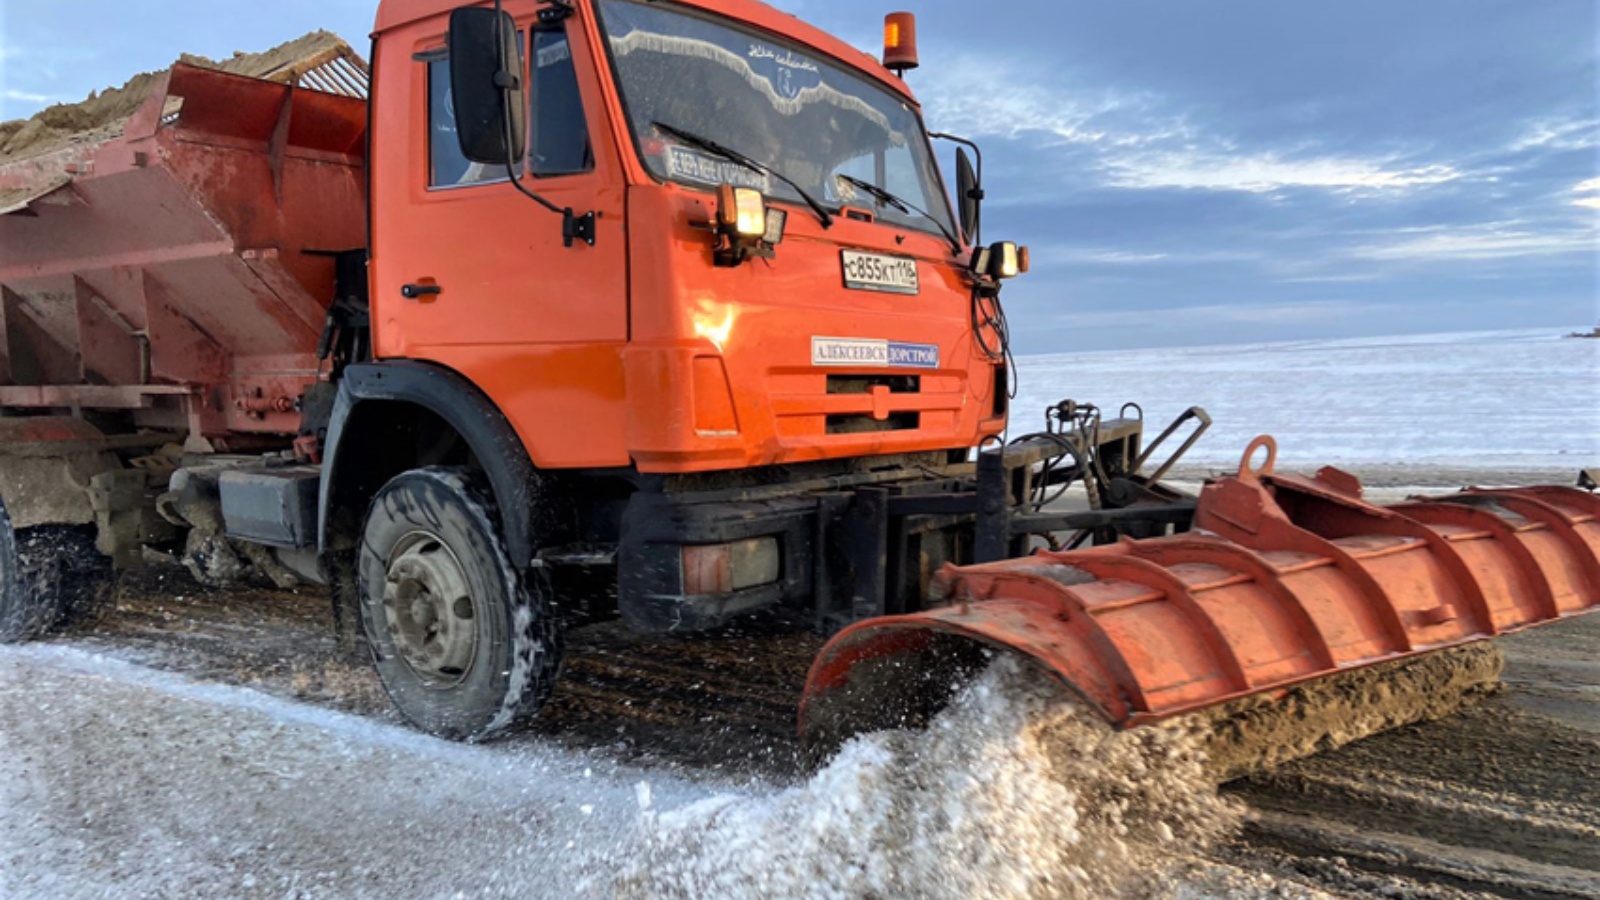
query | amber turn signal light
[900, 42]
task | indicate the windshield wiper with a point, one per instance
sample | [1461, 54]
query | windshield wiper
[901, 204]
[738, 158]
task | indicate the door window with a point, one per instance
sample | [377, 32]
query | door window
[560, 139]
[559, 143]
[447, 167]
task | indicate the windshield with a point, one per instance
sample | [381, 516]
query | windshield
[789, 109]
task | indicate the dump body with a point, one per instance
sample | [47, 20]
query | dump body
[176, 268]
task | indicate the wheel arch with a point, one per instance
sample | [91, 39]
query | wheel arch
[380, 401]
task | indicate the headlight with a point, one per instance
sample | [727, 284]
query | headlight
[742, 211]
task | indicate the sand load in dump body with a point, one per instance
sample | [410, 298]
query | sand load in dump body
[1284, 580]
[178, 267]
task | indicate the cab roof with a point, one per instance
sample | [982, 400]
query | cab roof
[395, 13]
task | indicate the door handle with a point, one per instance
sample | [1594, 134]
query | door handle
[414, 291]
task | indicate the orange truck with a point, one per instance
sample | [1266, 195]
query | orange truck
[567, 309]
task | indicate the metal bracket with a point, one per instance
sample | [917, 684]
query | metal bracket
[556, 12]
[578, 228]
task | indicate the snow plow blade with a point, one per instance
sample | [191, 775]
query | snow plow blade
[1285, 581]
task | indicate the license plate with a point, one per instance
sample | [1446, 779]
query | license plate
[876, 272]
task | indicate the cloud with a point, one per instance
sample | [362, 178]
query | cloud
[1140, 141]
[26, 97]
[1223, 314]
[1267, 172]
[1350, 278]
[1588, 194]
[1559, 134]
[1118, 256]
[45, 60]
[982, 98]
[1107, 257]
[1494, 241]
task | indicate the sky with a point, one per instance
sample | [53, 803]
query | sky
[1186, 173]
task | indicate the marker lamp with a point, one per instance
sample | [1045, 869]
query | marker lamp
[1002, 260]
[725, 568]
[1007, 261]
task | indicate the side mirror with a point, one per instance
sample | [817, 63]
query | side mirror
[486, 86]
[971, 194]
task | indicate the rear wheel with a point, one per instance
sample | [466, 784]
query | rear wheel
[49, 576]
[465, 642]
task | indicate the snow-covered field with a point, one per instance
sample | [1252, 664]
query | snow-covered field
[1501, 400]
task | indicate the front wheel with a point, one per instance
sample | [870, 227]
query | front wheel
[466, 644]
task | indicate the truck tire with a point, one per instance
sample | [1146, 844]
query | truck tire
[50, 575]
[466, 644]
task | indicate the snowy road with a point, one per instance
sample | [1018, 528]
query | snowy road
[120, 781]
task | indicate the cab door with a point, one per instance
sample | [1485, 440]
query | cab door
[473, 275]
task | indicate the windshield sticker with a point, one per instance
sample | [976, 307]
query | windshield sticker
[789, 73]
[555, 54]
[787, 58]
[690, 165]
[870, 353]
[794, 73]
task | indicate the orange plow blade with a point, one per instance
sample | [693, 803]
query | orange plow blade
[1284, 581]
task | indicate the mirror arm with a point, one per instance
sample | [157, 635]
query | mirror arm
[976, 193]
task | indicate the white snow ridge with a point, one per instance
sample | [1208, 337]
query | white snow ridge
[1012, 792]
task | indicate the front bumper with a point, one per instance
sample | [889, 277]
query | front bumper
[657, 527]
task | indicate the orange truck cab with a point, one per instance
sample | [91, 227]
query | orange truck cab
[717, 290]
[639, 349]
[703, 380]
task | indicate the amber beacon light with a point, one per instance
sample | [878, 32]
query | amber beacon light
[900, 42]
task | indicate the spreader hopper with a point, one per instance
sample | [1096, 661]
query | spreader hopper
[178, 262]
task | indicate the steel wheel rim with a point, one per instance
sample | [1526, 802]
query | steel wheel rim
[430, 611]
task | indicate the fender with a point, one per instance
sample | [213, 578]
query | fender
[461, 405]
